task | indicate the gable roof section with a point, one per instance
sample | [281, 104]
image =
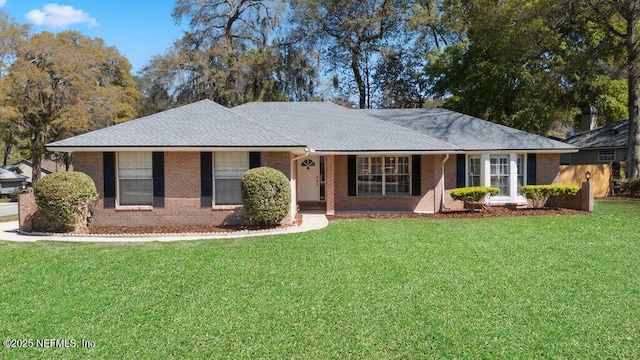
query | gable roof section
[199, 125]
[7, 175]
[614, 135]
[467, 132]
[327, 127]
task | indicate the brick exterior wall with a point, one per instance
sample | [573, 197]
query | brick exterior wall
[426, 202]
[182, 193]
[547, 168]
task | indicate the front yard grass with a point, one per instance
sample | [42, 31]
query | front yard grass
[509, 288]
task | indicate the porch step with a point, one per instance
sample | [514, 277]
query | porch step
[312, 205]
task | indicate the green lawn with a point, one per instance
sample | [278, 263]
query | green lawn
[507, 288]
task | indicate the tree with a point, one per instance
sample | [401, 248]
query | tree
[349, 34]
[621, 20]
[64, 84]
[231, 54]
[399, 81]
[527, 64]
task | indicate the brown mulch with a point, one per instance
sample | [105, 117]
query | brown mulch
[484, 213]
[177, 229]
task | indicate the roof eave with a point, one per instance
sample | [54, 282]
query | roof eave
[279, 148]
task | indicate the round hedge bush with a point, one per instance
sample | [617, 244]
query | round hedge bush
[266, 195]
[66, 199]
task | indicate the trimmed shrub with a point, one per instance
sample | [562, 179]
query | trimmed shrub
[66, 199]
[473, 195]
[540, 194]
[266, 195]
[631, 187]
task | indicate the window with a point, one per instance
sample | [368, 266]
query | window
[394, 178]
[606, 155]
[473, 170]
[228, 168]
[370, 175]
[135, 178]
[520, 165]
[499, 171]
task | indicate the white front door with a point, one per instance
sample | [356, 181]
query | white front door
[309, 179]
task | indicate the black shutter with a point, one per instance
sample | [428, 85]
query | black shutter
[157, 159]
[460, 170]
[531, 169]
[206, 179]
[109, 179]
[415, 175]
[254, 160]
[351, 175]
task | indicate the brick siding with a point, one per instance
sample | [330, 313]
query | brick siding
[182, 193]
[426, 202]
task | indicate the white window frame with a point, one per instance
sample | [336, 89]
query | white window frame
[385, 173]
[119, 178]
[606, 156]
[470, 175]
[237, 176]
[517, 171]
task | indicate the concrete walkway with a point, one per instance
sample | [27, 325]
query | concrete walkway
[9, 232]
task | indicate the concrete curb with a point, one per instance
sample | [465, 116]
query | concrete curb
[9, 232]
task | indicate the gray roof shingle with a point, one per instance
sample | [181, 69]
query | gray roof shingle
[614, 135]
[467, 132]
[327, 127]
[201, 124]
[7, 175]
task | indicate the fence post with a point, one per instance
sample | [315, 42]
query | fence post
[587, 196]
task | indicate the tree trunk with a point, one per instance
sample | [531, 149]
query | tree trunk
[355, 67]
[633, 78]
[37, 150]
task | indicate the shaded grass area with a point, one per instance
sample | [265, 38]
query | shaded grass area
[527, 287]
[8, 218]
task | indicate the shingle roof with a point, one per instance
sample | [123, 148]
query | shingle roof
[327, 127]
[467, 132]
[201, 124]
[614, 135]
[10, 175]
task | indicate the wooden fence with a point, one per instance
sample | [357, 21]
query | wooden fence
[576, 174]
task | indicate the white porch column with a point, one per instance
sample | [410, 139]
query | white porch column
[513, 176]
[485, 170]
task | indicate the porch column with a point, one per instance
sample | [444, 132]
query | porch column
[485, 170]
[513, 177]
[329, 184]
[294, 198]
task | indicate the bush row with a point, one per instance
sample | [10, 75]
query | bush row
[540, 194]
[473, 195]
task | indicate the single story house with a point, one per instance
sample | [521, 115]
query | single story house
[25, 167]
[183, 166]
[10, 181]
[604, 145]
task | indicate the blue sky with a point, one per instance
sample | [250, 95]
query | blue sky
[139, 29]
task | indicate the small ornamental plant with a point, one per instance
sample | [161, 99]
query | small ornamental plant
[540, 194]
[66, 199]
[474, 196]
[266, 195]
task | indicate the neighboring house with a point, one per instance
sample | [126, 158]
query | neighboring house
[183, 166]
[603, 145]
[25, 167]
[10, 181]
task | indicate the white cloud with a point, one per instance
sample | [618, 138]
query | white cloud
[3, 3]
[59, 16]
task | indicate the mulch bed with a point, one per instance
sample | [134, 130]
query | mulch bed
[484, 213]
[182, 229]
